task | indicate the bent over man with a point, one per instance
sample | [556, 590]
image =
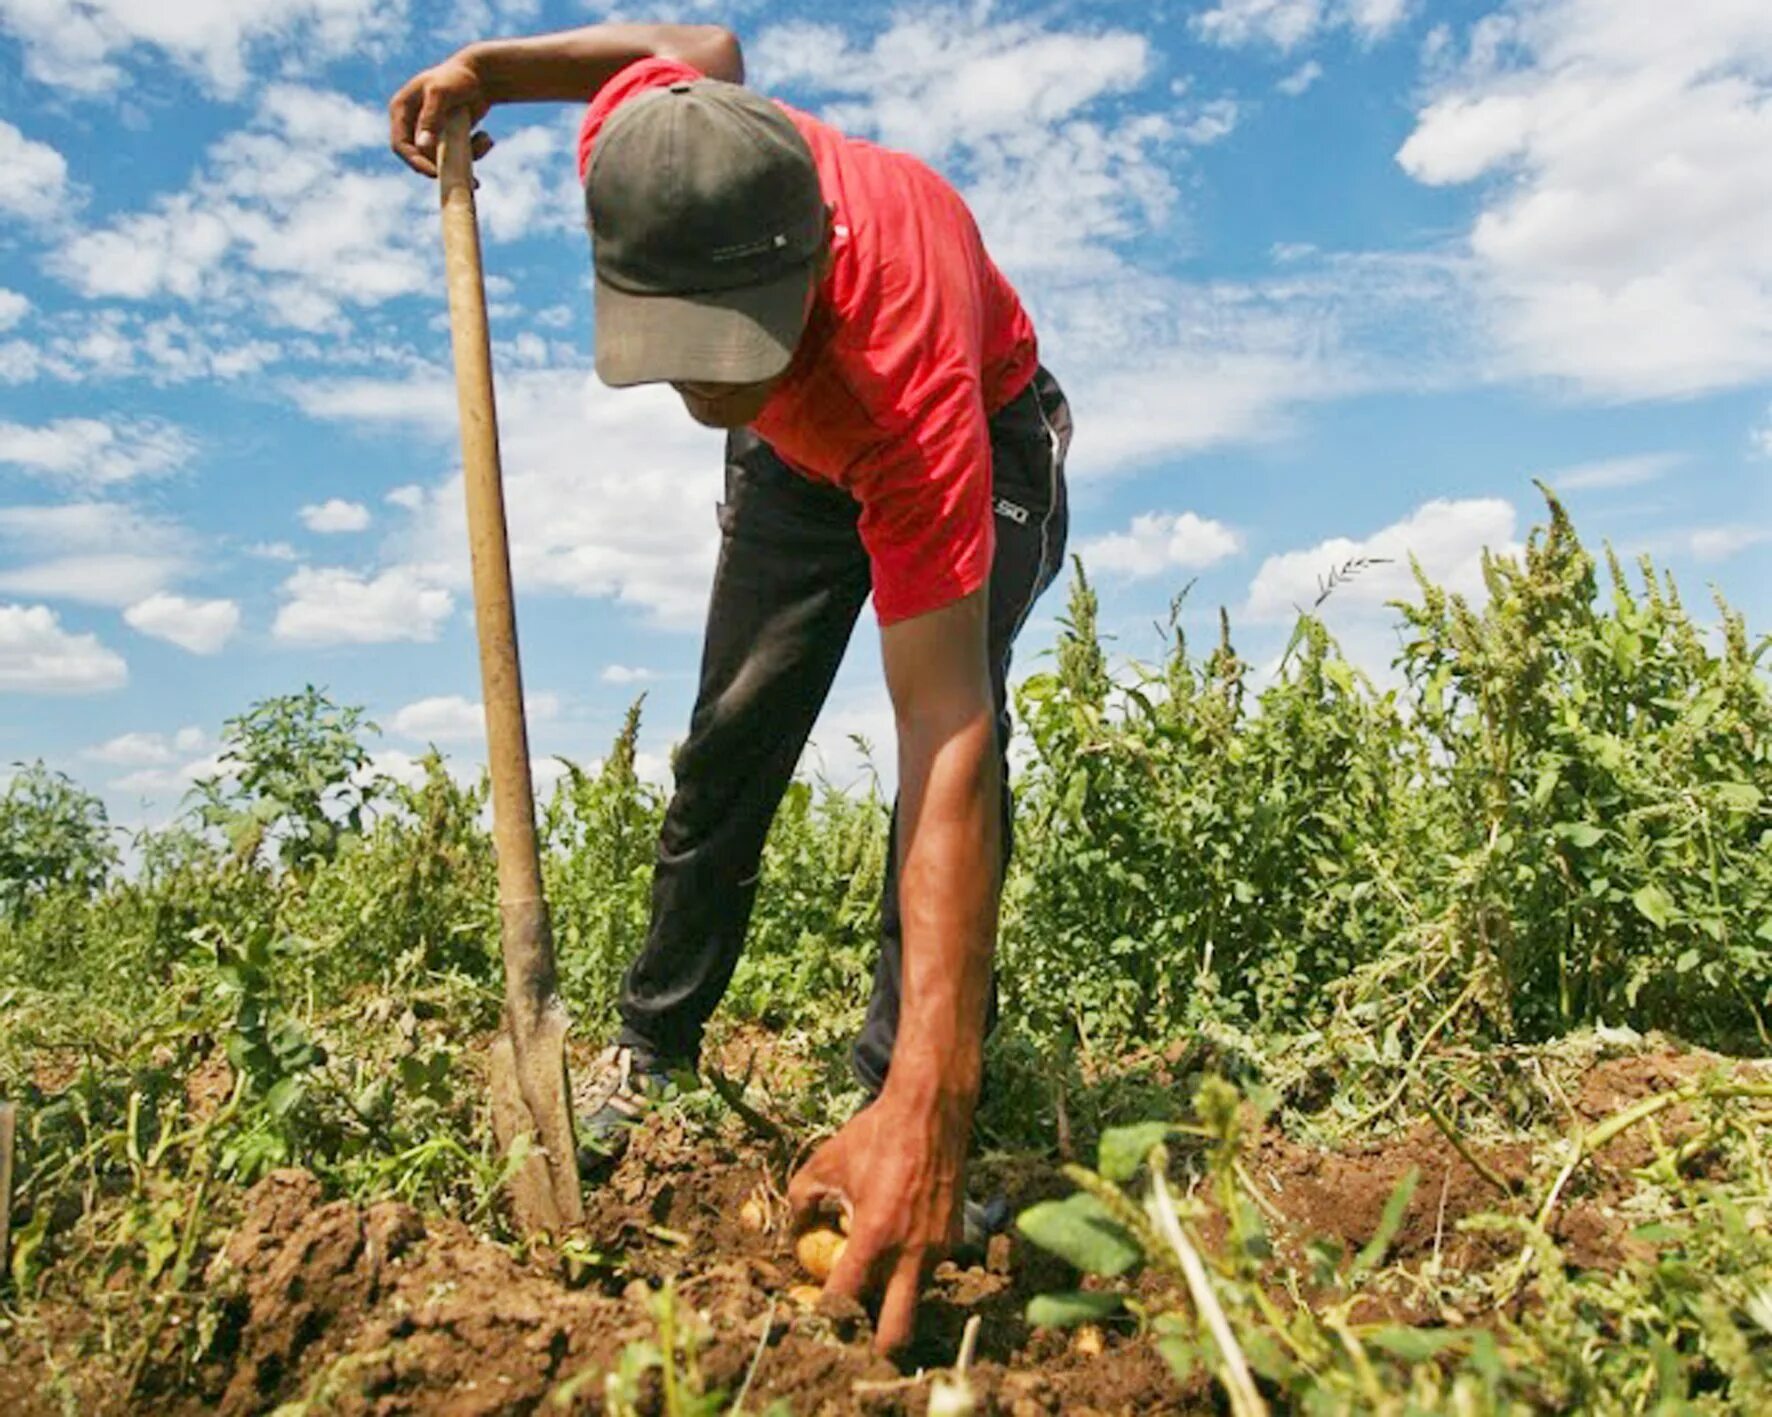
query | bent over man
[892, 432]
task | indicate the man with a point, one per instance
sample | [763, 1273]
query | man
[831, 304]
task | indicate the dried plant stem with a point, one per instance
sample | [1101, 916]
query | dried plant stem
[1476, 1163]
[1391, 1099]
[1234, 1374]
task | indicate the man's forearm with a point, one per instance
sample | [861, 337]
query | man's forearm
[950, 804]
[572, 65]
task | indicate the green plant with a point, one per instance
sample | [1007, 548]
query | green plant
[294, 775]
[54, 839]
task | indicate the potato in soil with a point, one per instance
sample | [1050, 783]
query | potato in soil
[818, 1252]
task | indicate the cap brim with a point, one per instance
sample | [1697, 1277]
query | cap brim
[739, 336]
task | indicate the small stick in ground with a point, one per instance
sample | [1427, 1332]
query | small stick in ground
[8, 1124]
[756, 1359]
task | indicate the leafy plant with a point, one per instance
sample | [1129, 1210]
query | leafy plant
[54, 838]
[293, 774]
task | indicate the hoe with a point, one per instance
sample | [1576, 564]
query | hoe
[529, 1086]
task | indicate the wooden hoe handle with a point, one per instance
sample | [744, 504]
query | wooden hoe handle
[546, 1191]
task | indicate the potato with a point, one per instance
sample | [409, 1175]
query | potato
[818, 1252]
[754, 1215]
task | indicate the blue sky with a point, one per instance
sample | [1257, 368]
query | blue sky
[1323, 278]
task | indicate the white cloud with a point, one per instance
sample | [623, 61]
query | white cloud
[200, 626]
[179, 777]
[308, 117]
[445, 718]
[1167, 369]
[1761, 437]
[37, 656]
[1300, 78]
[1216, 119]
[423, 399]
[115, 578]
[408, 498]
[1287, 24]
[93, 451]
[1282, 22]
[147, 750]
[1447, 537]
[527, 186]
[131, 750]
[1000, 106]
[273, 551]
[81, 46]
[1631, 471]
[1625, 239]
[335, 515]
[335, 606]
[36, 185]
[1374, 19]
[609, 493]
[1160, 542]
[96, 552]
[1718, 543]
[450, 718]
[13, 308]
[301, 229]
[76, 346]
[627, 674]
[1155, 367]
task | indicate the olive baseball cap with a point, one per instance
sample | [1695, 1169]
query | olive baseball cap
[706, 227]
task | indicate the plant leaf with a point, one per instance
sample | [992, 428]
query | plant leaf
[1389, 1223]
[1072, 1307]
[1656, 905]
[1416, 1345]
[1124, 1149]
[1080, 1230]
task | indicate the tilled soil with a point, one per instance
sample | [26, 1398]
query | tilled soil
[382, 1311]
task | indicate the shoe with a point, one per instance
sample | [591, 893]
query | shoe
[979, 1220]
[624, 1085]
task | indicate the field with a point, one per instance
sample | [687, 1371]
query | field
[1365, 1050]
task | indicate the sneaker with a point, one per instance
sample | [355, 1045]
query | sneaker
[624, 1085]
[979, 1220]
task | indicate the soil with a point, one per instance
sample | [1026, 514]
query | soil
[379, 1311]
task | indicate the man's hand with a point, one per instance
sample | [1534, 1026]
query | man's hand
[416, 113]
[899, 1169]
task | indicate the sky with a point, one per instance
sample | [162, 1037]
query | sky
[1323, 279]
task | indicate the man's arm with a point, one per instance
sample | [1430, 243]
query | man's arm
[900, 1165]
[568, 67]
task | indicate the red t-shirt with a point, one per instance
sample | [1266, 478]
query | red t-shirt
[915, 340]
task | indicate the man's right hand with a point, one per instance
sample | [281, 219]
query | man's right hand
[416, 113]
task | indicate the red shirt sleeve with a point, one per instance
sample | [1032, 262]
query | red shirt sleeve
[637, 78]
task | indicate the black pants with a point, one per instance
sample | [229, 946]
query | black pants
[791, 580]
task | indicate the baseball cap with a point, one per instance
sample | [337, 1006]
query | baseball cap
[706, 226]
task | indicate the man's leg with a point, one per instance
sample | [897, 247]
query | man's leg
[1029, 439]
[791, 579]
